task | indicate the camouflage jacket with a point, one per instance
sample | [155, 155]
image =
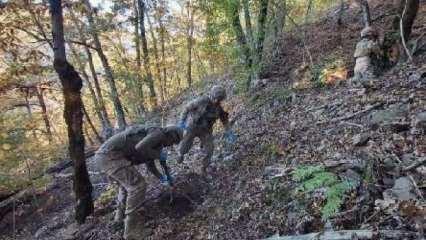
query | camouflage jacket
[366, 48]
[202, 113]
[137, 144]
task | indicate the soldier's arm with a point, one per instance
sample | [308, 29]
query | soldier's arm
[153, 169]
[191, 106]
[148, 147]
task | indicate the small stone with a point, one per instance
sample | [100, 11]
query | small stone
[402, 190]
[351, 176]
[360, 140]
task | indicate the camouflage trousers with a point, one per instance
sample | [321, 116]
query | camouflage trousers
[363, 71]
[207, 144]
[131, 192]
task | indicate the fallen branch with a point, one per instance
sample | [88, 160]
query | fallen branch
[335, 120]
[351, 234]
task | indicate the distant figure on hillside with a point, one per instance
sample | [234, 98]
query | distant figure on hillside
[118, 155]
[367, 53]
[198, 118]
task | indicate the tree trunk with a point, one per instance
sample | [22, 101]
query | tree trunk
[139, 81]
[247, 20]
[89, 84]
[241, 39]
[281, 17]
[86, 133]
[40, 97]
[72, 84]
[107, 131]
[189, 39]
[263, 12]
[106, 124]
[366, 16]
[119, 112]
[89, 121]
[28, 107]
[411, 8]
[157, 59]
[152, 94]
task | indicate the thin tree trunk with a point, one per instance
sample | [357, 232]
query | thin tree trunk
[411, 8]
[247, 20]
[86, 133]
[263, 12]
[281, 17]
[106, 124]
[72, 84]
[119, 112]
[89, 84]
[139, 81]
[28, 107]
[189, 39]
[92, 126]
[40, 97]
[157, 59]
[366, 15]
[241, 39]
[152, 94]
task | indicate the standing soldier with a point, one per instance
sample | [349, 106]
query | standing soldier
[118, 155]
[198, 118]
[367, 53]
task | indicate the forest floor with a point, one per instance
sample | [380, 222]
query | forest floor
[366, 136]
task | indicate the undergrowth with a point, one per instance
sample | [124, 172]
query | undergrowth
[311, 178]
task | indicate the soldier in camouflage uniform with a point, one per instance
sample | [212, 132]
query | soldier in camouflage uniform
[367, 50]
[198, 118]
[118, 155]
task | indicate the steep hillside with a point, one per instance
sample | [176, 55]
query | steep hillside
[360, 148]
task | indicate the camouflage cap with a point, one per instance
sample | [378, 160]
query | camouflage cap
[368, 32]
[217, 93]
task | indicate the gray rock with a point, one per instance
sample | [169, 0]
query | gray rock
[402, 190]
[419, 122]
[395, 113]
[275, 171]
[351, 176]
[360, 139]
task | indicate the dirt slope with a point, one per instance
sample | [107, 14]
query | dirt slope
[249, 193]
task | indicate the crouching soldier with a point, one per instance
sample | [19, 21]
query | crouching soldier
[117, 157]
[367, 53]
[198, 118]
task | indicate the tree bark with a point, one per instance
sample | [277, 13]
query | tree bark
[89, 85]
[119, 112]
[366, 15]
[411, 8]
[189, 40]
[247, 20]
[107, 131]
[241, 39]
[157, 59]
[28, 107]
[86, 133]
[139, 81]
[263, 12]
[150, 81]
[72, 84]
[92, 126]
[106, 124]
[40, 97]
